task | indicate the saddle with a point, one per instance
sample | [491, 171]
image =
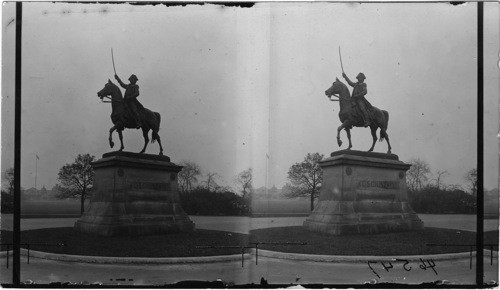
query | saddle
[127, 115]
[356, 115]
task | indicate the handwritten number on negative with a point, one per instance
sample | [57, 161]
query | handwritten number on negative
[372, 268]
[430, 263]
[387, 267]
[406, 263]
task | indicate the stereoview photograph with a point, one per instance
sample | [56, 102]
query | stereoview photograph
[266, 144]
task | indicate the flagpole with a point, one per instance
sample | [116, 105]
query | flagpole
[267, 172]
[36, 168]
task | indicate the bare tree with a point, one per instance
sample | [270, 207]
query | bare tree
[244, 179]
[7, 196]
[77, 179]
[211, 181]
[471, 178]
[417, 175]
[188, 176]
[306, 178]
[440, 174]
[8, 177]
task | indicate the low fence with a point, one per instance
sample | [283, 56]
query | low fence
[27, 246]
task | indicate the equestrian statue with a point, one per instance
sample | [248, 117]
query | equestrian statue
[128, 112]
[356, 111]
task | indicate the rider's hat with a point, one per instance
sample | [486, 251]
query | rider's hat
[361, 75]
[133, 77]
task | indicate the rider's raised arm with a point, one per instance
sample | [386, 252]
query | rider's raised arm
[348, 80]
[120, 82]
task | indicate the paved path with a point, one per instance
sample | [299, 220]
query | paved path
[274, 270]
[243, 225]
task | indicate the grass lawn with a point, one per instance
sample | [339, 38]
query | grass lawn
[185, 244]
[172, 245]
[388, 244]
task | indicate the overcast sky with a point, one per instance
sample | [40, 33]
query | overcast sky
[234, 84]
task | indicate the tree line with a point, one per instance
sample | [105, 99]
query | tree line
[427, 192]
[201, 194]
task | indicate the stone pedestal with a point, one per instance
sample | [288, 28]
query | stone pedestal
[134, 194]
[363, 193]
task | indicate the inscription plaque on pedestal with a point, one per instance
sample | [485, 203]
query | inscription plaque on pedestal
[134, 194]
[363, 193]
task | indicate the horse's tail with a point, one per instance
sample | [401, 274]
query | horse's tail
[156, 127]
[383, 129]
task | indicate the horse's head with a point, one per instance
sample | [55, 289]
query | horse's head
[337, 88]
[109, 89]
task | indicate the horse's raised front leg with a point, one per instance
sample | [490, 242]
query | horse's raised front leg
[121, 139]
[348, 131]
[146, 139]
[374, 136]
[111, 143]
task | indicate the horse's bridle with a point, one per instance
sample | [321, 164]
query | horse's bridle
[339, 98]
[110, 100]
[103, 101]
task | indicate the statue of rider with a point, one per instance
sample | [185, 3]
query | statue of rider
[358, 96]
[130, 97]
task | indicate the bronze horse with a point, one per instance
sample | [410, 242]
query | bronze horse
[351, 118]
[121, 117]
